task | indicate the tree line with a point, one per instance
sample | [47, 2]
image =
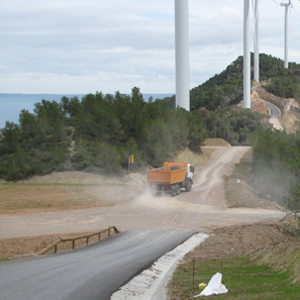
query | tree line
[99, 132]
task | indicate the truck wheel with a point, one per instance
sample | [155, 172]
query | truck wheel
[188, 187]
[173, 190]
[177, 189]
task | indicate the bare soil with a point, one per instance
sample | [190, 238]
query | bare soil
[236, 240]
[71, 190]
[33, 211]
[291, 116]
[68, 190]
[257, 104]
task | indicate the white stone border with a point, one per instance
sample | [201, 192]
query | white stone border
[151, 283]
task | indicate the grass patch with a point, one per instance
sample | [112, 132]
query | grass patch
[2, 260]
[244, 279]
[190, 157]
[216, 142]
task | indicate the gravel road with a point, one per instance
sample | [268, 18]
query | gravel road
[200, 210]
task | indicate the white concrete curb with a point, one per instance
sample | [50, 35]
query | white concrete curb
[151, 283]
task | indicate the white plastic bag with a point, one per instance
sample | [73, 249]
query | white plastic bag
[214, 286]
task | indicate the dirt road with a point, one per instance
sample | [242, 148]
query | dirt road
[202, 209]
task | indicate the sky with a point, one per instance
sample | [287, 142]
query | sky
[84, 46]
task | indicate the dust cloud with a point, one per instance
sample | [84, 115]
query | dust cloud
[272, 183]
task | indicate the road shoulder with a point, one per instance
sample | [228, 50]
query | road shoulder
[152, 283]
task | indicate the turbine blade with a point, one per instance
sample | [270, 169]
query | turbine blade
[292, 6]
[275, 2]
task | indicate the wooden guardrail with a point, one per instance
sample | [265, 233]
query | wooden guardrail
[78, 237]
[295, 212]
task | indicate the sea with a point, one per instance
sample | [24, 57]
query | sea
[12, 104]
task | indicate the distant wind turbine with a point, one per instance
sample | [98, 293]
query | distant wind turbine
[286, 25]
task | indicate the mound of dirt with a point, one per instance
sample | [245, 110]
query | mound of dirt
[84, 178]
[237, 240]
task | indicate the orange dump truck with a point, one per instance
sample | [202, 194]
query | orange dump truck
[171, 178]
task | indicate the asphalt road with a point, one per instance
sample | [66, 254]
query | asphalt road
[274, 110]
[93, 272]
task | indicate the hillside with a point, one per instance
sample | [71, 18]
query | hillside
[226, 88]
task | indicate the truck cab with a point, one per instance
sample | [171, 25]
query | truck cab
[190, 172]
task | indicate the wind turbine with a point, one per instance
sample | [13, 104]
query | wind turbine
[182, 54]
[247, 57]
[287, 7]
[256, 40]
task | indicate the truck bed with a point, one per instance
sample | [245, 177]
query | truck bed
[170, 174]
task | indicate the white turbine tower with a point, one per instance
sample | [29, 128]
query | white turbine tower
[182, 54]
[247, 57]
[256, 40]
[286, 25]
